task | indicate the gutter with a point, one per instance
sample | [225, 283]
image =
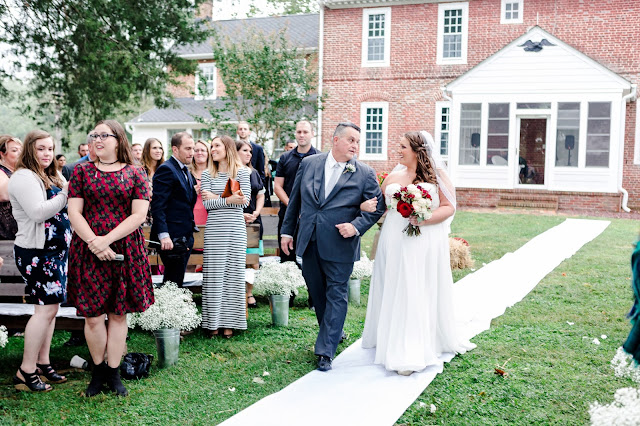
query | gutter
[623, 112]
[320, 74]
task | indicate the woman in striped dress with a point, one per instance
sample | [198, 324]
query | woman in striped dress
[225, 241]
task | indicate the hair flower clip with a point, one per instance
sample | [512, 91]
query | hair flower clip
[349, 168]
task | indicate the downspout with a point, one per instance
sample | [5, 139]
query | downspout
[623, 110]
[320, 75]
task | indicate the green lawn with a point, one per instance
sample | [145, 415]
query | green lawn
[553, 371]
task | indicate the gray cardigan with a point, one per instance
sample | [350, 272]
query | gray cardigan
[31, 208]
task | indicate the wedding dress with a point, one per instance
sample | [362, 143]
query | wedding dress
[410, 317]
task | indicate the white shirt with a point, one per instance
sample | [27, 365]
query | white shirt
[328, 170]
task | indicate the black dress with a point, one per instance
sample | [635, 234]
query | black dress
[45, 270]
[8, 225]
[256, 186]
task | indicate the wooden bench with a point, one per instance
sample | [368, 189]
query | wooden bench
[269, 216]
[15, 312]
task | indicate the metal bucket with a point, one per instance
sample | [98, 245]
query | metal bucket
[279, 309]
[168, 344]
[354, 292]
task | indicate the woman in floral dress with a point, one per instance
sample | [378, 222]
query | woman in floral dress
[38, 197]
[109, 273]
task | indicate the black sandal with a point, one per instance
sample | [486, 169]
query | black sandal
[31, 382]
[252, 305]
[48, 374]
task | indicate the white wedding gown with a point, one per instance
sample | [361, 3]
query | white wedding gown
[410, 317]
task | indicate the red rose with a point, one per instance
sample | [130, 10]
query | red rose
[405, 209]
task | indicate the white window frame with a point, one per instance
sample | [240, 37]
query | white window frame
[438, 128]
[442, 7]
[363, 130]
[201, 66]
[366, 12]
[503, 12]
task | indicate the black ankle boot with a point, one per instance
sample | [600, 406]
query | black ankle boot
[98, 378]
[113, 381]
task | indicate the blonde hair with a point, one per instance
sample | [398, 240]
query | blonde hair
[193, 166]
[231, 156]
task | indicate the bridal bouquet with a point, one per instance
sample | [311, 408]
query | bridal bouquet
[412, 200]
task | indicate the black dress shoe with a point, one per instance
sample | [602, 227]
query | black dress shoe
[324, 363]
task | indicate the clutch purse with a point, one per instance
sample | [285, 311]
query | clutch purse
[231, 187]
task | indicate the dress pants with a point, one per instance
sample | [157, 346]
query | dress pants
[175, 261]
[327, 283]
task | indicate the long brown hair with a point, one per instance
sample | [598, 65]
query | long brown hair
[425, 170]
[123, 150]
[233, 161]
[239, 145]
[147, 161]
[29, 161]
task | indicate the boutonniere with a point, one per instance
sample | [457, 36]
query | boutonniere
[349, 168]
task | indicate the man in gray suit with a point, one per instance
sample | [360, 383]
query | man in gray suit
[326, 198]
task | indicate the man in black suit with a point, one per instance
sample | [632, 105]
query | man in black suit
[172, 202]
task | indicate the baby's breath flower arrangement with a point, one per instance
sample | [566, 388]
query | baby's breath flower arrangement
[362, 268]
[624, 366]
[174, 308]
[4, 337]
[276, 278]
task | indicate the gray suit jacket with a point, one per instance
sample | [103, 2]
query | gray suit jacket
[320, 214]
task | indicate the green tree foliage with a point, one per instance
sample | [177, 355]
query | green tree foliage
[91, 59]
[268, 83]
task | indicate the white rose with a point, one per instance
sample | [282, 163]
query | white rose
[393, 204]
[412, 189]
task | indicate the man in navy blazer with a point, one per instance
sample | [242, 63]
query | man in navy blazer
[326, 198]
[172, 202]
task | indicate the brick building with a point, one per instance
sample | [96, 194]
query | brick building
[531, 100]
[162, 123]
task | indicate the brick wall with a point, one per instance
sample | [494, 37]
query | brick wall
[576, 201]
[411, 84]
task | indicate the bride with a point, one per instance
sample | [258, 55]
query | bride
[410, 318]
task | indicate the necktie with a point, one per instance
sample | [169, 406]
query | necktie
[335, 175]
[186, 175]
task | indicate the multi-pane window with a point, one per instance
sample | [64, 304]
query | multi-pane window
[374, 131]
[452, 39]
[511, 11]
[375, 37]
[206, 81]
[470, 121]
[452, 33]
[498, 135]
[568, 134]
[376, 26]
[444, 131]
[598, 134]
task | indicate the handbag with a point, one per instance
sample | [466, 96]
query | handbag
[231, 187]
[135, 365]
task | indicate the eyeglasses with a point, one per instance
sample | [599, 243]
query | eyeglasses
[353, 126]
[102, 136]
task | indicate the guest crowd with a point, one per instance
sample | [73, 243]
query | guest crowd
[78, 232]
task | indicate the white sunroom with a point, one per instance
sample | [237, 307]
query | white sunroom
[538, 114]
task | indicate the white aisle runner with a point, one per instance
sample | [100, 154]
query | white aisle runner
[357, 392]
